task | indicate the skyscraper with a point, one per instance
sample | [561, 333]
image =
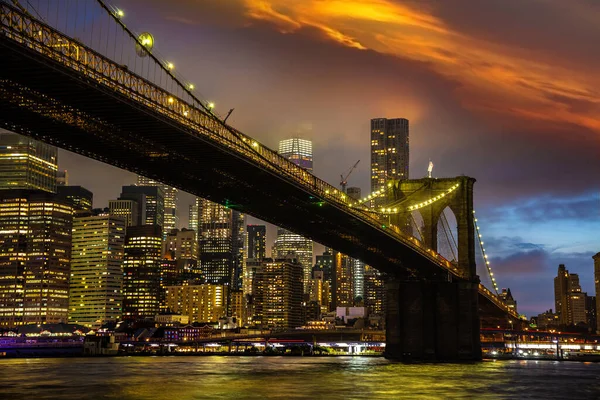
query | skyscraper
[35, 252]
[27, 163]
[170, 194]
[561, 292]
[128, 209]
[96, 294]
[193, 216]
[202, 303]
[389, 152]
[596, 259]
[568, 297]
[141, 272]
[80, 198]
[221, 236]
[150, 199]
[277, 293]
[298, 151]
[342, 280]
[256, 241]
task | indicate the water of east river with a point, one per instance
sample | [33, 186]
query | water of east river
[175, 378]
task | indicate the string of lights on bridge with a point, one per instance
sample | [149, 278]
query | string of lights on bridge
[147, 41]
[395, 210]
[485, 257]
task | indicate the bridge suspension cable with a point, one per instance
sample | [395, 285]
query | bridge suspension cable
[485, 257]
[449, 235]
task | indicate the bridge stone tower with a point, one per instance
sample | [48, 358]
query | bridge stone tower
[433, 318]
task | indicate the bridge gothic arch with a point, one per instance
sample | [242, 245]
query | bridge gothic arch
[430, 197]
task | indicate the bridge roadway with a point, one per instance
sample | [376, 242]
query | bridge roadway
[57, 90]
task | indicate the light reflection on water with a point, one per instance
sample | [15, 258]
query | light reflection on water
[159, 378]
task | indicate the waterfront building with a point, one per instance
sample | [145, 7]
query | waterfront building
[319, 290]
[201, 303]
[590, 312]
[389, 152]
[568, 297]
[596, 259]
[150, 199]
[342, 280]
[221, 239]
[374, 299]
[180, 261]
[96, 294]
[80, 198]
[128, 210]
[300, 152]
[508, 299]
[278, 294]
[237, 307]
[256, 241]
[325, 263]
[141, 272]
[171, 195]
[35, 253]
[26, 163]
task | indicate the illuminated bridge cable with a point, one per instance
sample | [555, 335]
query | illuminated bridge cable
[485, 257]
[414, 222]
[448, 234]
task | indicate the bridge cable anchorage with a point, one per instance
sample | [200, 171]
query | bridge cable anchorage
[485, 257]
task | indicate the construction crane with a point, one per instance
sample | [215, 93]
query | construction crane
[344, 180]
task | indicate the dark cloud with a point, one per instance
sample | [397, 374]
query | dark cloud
[584, 207]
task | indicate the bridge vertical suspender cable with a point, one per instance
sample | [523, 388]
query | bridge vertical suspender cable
[485, 257]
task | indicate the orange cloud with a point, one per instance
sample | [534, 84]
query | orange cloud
[506, 78]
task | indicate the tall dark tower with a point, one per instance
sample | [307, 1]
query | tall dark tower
[389, 152]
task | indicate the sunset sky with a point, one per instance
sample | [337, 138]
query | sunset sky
[506, 91]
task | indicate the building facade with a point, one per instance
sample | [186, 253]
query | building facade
[343, 280]
[96, 294]
[126, 209]
[171, 194]
[300, 152]
[596, 259]
[80, 198]
[150, 201]
[35, 254]
[568, 298]
[256, 241]
[389, 152]
[201, 303]
[141, 272]
[221, 238]
[27, 163]
[278, 294]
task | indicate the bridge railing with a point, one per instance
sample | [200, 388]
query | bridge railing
[51, 43]
[499, 303]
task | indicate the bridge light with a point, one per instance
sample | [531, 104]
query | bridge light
[185, 113]
[254, 144]
[119, 13]
[170, 66]
[395, 210]
[170, 100]
[211, 105]
[327, 191]
[191, 86]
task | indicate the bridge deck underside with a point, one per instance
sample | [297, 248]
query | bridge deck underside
[42, 98]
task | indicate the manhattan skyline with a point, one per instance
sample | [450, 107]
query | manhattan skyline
[521, 117]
